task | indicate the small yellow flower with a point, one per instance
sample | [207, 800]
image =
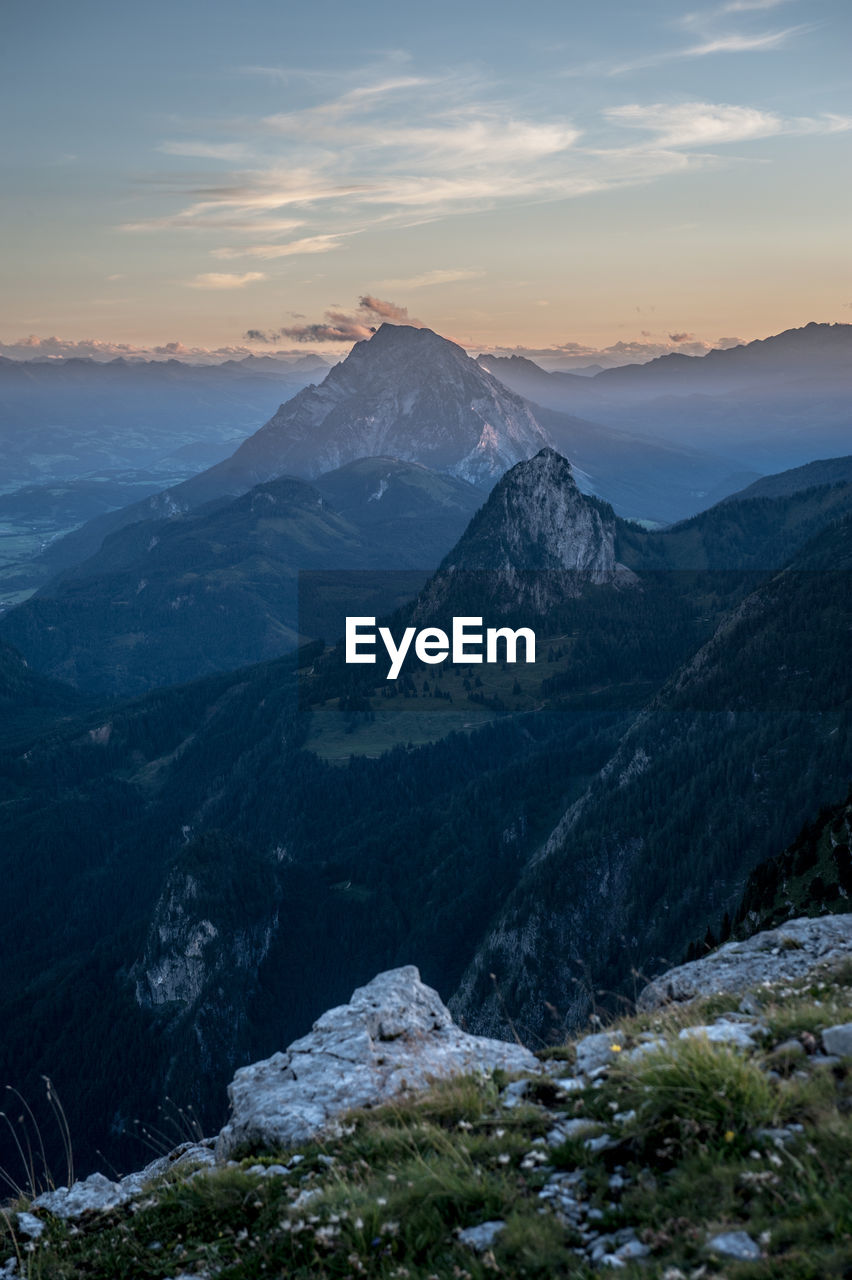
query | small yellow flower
[615, 1048]
[730, 1135]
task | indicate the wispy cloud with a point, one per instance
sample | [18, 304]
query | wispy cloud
[395, 150]
[441, 275]
[691, 124]
[705, 124]
[740, 43]
[224, 280]
[718, 43]
[745, 6]
[205, 150]
[307, 245]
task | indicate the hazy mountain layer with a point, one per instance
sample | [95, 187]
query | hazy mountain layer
[825, 471]
[778, 402]
[61, 419]
[171, 600]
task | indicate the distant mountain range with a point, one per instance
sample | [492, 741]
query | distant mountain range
[659, 441]
[171, 599]
[65, 419]
[821, 351]
[411, 395]
[168, 600]
[776, 402]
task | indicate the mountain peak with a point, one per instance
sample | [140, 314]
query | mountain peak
[406, 393]
[402, 341]
[537, 542]
[537, 518]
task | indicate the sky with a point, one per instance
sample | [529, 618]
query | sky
[577, 182]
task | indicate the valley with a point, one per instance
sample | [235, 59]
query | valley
[230, 822]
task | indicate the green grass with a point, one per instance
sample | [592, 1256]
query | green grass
[391, 1191]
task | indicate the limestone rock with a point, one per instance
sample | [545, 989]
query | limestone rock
[482, 1237]
[97, 1193]
[838, 1040]
[735, 1244]
[777, 955]
[394, 1036]
[30, 1226]
[723, 1032]
[597, 1051]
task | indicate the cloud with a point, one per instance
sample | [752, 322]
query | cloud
[342, 326]
[215, 221]
[713, 39]
[387, 311]
[441, 275]
[205, 150]
[577, 355]
[705, 124]
[390, 144]
[225, 280]
[383, 149]
[747, 6]
[35, 347]
[740, 43]
[690, 124]
[307, 245]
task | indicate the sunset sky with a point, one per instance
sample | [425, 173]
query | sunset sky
[557, 177]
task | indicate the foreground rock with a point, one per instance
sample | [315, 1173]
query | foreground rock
[778, 955]
[395, 1035]
[97, 1193]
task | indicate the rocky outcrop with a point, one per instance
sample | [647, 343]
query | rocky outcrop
[536, 542]
[537, 518]
[97, 1193]
[777, 956]
[395, 1035]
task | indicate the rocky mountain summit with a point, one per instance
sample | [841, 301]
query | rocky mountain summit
[537, 518]
[536, 542]
[406, 393]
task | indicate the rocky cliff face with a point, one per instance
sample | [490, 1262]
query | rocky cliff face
[210, 932]
[536, 541]
[185, 950]
[406, 393]
[537, 518]
[707, 782]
